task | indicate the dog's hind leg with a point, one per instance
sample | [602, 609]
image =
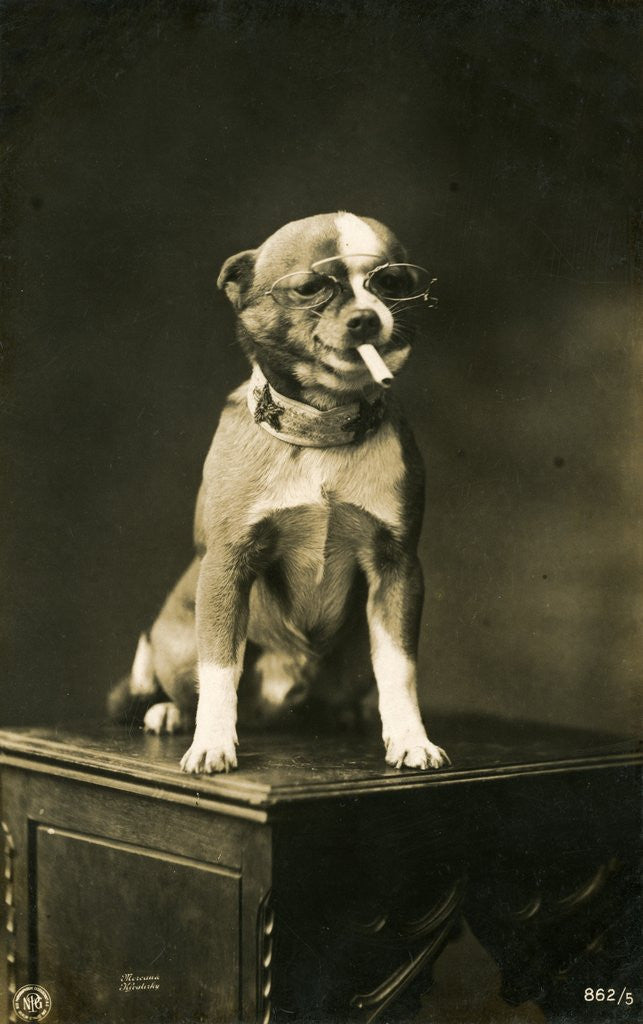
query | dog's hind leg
[173, 650]
[131, 697]
[164, 666]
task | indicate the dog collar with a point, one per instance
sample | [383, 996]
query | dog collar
[300, 424]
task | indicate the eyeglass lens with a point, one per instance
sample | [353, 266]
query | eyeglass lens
[396, 282]
[303, 290]
[399, 282]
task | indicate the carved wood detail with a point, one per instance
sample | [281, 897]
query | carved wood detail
[392, 928]
[265, 943]
[405, 927]
[370, 1004]
[10, 919]
[555, 929]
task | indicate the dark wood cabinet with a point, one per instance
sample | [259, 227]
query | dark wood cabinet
[315, 882]
[141, 908]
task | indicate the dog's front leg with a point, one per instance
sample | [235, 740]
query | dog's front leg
[394, 609]
[221, 625]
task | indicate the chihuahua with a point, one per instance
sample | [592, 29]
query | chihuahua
[309, 513]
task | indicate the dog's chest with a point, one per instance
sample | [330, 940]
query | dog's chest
[368, 478]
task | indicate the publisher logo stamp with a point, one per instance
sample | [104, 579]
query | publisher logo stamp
[32, 1002]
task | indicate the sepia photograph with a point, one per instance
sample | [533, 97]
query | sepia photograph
[320, 511]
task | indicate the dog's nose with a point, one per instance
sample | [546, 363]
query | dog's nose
[363, 323]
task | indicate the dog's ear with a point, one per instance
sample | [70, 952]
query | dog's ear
[236, 274]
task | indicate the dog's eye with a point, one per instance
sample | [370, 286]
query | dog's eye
[303, 290]
[399, 281]
[393, 284]
[310, 287]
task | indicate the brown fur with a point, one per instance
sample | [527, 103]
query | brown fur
[303, 551]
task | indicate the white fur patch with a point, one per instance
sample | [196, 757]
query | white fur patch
[369, 478]
[366, 300]
[395, 673]
[402, 729]
[355, 235]
[162, 717]
[215, 735]
[142, 673]
[217, 708]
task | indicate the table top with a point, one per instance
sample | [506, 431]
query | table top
[277, 769]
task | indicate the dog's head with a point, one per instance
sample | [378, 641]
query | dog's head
[313, 292]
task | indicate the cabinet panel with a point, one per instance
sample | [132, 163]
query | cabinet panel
[105, 910]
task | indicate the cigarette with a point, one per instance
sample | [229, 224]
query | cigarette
[378, 369]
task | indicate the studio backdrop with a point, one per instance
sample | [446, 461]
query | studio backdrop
[145, 141]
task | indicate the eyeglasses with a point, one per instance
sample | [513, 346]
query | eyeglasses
[393, 283]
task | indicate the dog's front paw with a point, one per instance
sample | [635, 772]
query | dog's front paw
[163, 717]
[210, 756]
[412, 751]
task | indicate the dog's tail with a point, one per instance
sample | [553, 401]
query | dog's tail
[132, 695]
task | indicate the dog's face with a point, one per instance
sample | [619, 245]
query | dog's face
[305, 300]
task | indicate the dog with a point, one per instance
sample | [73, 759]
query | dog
[309, 513]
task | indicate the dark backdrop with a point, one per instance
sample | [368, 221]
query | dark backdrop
[147, 141]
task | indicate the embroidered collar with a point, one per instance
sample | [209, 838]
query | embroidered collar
[301, 424]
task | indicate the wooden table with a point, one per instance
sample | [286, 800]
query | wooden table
[314, 883]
